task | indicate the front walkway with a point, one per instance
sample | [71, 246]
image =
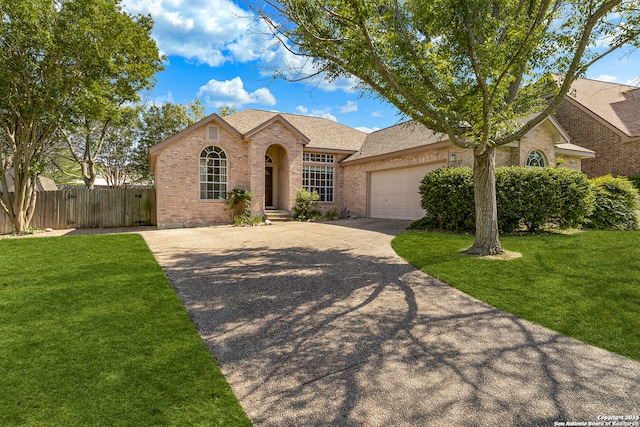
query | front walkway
[321, 324]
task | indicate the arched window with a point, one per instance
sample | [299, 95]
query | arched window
[268, 159]
[213, 173]
[536, 158]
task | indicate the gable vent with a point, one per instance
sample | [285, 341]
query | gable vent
[213, 133]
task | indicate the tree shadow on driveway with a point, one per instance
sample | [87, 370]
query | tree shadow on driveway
[325, 333]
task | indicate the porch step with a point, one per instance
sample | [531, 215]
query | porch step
[278, 215]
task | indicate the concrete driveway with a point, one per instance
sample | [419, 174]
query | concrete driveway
[321, 324]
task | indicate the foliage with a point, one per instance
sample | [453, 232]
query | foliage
[99, 334]
[226, 110]
[238, 202]
[533, 197]
[331, 215]
[526, 197]
[447, 197]
[635, 181]
[72, 62]
[159, 122]
[616, 204]
[471, 70]
[558, 282]
[306, 205]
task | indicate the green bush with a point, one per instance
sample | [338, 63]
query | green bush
[306, 203]
[527, 198]
[535, 197]
[238, 203]
[635, 181]
[616, 204]
[447, 197]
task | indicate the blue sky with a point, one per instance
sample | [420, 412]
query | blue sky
[218, 52]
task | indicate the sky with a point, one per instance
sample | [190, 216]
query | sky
[219, 52]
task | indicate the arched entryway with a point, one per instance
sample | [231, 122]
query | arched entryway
[276, 178]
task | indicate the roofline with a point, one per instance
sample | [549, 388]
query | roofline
[277, 117]
[624, 136]
[328, 150]
[583, 154]
[435, 145]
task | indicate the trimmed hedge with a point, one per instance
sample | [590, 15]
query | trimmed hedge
[616, 204]
[447, 196]
[526, 197]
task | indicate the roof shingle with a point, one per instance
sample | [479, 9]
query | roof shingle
[322, 133]
[615, 103]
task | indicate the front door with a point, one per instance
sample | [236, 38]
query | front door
[268, 186]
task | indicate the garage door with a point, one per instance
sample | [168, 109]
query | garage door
[394, 193]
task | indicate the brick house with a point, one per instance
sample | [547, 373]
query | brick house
[604, 117]
[273, 155]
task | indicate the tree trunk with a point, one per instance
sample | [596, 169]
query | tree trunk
[487, 240]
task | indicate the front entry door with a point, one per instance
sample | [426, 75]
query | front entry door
[268, 186]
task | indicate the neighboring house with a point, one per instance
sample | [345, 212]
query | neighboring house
[273, 155]
[604, 117]
[43, 184]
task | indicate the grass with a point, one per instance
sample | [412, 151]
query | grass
[584, 285]
[91, 334]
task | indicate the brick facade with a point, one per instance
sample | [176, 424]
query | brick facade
[613, 156]
[177, 174]
[176, 164]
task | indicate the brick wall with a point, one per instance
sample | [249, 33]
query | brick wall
[612, 155]
[356, 176]
[177, 174]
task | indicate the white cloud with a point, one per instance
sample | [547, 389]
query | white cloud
[216, 32]
[367, 130]
[607, 78]
[376, 114]
[302, 109]
[232, 92]
[349, 107]
[324, 114]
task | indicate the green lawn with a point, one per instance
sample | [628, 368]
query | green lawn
[584, 285]
[91, 333]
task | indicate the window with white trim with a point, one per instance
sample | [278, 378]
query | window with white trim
[213, 173]
[536, 158]
[320, 179]
[317, 158]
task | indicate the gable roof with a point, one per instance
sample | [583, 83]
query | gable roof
[615, 104]
[401, 137]
[321, 133]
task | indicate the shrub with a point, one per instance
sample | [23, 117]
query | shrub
[635, 181]
[535, 197]
[447, 197]
[526, 197]
[306, 203]
[238, 203]
[331, 215]
[616, 204]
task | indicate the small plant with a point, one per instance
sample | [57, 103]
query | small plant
[306, 203]
[238, 204]
[331, 215]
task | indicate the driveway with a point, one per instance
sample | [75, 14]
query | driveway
[322, 324]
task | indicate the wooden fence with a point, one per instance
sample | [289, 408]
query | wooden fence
[84, 208]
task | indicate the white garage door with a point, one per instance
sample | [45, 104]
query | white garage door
[394, 193]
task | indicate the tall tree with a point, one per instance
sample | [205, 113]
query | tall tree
[157, 123]
[467, 68]
[69, 60]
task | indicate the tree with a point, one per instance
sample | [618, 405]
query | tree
[159, 122]
[227, 110]
[467, 68]
[70, 60]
